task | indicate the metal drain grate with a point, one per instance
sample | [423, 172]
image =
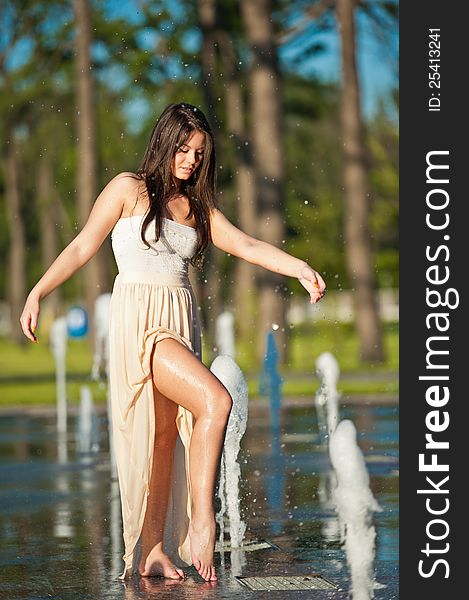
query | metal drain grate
[279, 583]
[248, 546]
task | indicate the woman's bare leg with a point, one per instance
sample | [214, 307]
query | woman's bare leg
[153, 560]
[184, 379]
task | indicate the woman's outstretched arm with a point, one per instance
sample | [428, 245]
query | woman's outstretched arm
[230, 239]
[103, 216]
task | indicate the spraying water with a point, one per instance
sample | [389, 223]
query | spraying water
[101, 351]
[102, 308]
[355, 504]
[58, 343]
[228, 372]
[224, 334]
[327, 397]
[87, 433]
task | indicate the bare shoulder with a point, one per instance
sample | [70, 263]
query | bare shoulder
[218, 221]
[130, 188]
[216, 216]
[125, 183]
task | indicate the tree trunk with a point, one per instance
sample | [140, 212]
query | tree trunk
[356, 215]
[211, 293]
[245, 292]
[16, 270]
[207, 17]
[93, 272]
[48, 233]
[265, 104]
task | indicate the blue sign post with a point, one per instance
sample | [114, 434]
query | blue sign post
[77, 322]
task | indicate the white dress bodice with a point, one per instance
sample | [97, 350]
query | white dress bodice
[170, 254]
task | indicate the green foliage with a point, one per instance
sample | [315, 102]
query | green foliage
[141, 64]
[27, 372]
[309, 340]
[314, 203]
[384, 184]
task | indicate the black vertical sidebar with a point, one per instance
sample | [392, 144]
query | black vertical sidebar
[434, 262]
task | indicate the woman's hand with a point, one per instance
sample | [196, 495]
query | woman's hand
[313, 283]
[29, 318]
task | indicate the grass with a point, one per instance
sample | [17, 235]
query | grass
[43, 392]
[308, 341]
[27, 373]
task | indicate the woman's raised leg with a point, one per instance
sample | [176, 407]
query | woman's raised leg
[153, 560]
[183, 378]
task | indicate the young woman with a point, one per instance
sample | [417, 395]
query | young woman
[169, 412]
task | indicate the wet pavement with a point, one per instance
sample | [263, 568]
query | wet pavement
[60, 517]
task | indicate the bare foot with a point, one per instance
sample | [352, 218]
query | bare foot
[202, 538]
[158, 564]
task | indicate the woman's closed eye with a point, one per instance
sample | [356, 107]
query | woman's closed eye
[199, 155]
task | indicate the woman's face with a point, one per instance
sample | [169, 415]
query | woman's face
[189, 156]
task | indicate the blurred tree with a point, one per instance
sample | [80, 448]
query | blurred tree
[47, 208]
[357, 238]
[313, 172]
[222, 80]
[17, 251]
[358, 248]
[245, 286]
[94, 272]
[22, 86]
[267, 135]
[383, 144]
[207, 21]
[149, 59]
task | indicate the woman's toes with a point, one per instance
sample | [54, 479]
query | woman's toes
[176, 573]
[213, 575]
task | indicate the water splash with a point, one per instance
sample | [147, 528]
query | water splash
[101, 350]
[355, 505]
[102, 308]
[224, 334]
[87, 430]
[228, 372]
[327, 397]
[58, 344]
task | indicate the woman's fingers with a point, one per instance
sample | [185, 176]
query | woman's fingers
[314, 283]
[319, 288]
[315, 297]
[28, 333]
[33, 326]
[319, 283]
[29, 326]
[313, 276]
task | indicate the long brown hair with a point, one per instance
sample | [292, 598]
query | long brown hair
[173, 128]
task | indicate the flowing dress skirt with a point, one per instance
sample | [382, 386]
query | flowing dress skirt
[145, 309]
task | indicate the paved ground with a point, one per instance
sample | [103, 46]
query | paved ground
[60, 512]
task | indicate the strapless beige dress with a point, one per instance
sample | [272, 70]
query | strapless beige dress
[152, 299]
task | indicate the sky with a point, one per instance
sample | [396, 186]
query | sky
[377, 65]
[377, 61]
